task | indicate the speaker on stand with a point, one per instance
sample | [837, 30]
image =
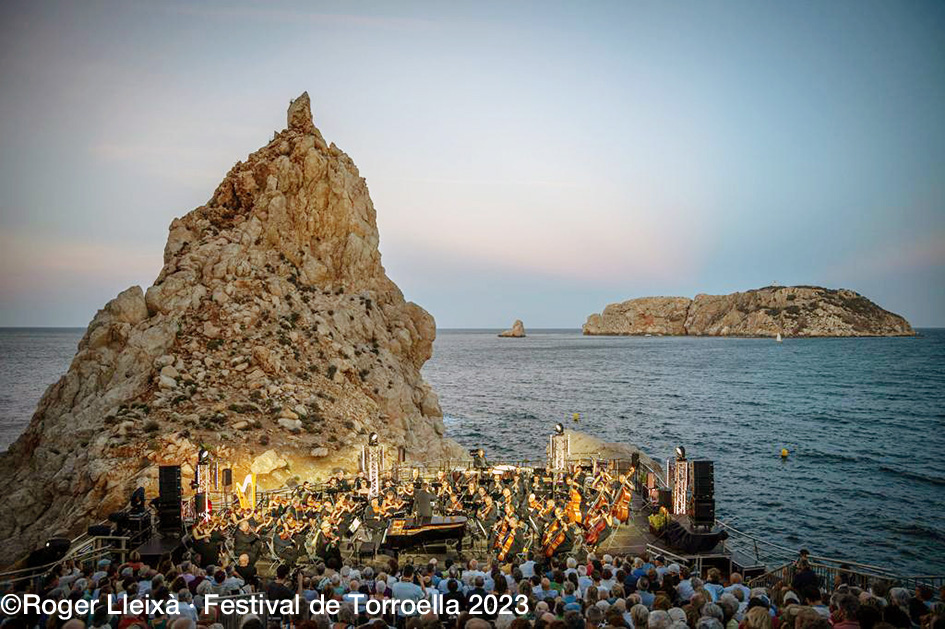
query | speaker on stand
[168, 503]
[703, 494]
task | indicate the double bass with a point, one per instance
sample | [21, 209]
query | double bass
[573, 508]
[621, 510]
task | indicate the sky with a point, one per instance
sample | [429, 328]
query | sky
[526, 160]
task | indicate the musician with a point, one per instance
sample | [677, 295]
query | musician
[409, 496]
[479, 460]
[285, 546]
[471, 495]
[423, 504]
[391, 504]
[207, 539]
[575, 508]
[246, 541]
[326, 545]
[373, 514]
[487, 514]
[455, 506]
[362, 486]
[623, 496]
[507, 499]
[600, 528]
[514, 540]
[558, 537]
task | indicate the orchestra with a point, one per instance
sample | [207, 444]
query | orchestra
[512, 511]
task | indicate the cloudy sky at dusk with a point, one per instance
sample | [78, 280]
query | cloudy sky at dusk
[527, 160]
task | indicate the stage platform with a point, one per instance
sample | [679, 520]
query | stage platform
[158, 545]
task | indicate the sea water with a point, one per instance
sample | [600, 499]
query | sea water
[863, 420]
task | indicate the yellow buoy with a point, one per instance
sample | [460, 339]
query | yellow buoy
[576, 416]
[784, 453]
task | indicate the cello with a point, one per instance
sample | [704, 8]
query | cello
[553, 538]
[596, 527]
[506, 545]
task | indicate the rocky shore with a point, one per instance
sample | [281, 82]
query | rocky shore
[792, 311]
[272, 336]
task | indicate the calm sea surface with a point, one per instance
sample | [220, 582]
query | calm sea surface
[864, 420]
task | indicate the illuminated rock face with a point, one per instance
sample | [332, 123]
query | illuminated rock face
[786, 310]
[272, 336]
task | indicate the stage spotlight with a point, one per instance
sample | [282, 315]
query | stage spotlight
[203, 456]
[559, 428]
[372, 439]
[680, 452]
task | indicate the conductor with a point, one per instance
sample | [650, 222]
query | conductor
[423, 504]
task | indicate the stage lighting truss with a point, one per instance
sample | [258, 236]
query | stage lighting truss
[681, 475]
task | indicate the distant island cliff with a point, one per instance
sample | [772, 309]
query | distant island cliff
[808, 311]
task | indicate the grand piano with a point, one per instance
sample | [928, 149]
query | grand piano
[406, 533]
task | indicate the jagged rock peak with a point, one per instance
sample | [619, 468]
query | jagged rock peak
[299, 116]
[272, 336]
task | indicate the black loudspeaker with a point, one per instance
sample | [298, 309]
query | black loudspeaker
[703, 512]
[703, 480]
[169, 484]
[635, 459]
[169, 518]
[666, 499]
[200, 502]
[227, 477]
[100, 530]
[402, 454]
[54, 550]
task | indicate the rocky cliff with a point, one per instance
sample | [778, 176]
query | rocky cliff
[272, 336]
[788, 310]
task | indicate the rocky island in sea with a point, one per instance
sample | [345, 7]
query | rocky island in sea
[516, 332]
[272, 336]
[804, 311]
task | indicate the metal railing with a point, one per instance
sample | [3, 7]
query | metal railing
[88, 549]
[832, 572]
[760, 550]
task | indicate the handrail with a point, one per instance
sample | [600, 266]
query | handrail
[13, 576]
[654, 550]
[862, 575]
[851, 564]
